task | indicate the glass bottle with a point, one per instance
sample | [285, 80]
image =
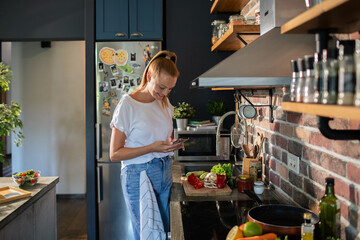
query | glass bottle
[357, 72]
[295, 75]
[329, 223]
[308, 96]
[330, 76]
[307, 228]
[346, 73]
[300, 81]
[318, 78]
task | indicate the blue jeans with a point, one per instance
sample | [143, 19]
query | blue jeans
[159, 172]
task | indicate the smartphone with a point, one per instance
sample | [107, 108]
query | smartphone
[181, 140]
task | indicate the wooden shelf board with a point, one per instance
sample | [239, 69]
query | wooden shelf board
[337, 16]
[230, 42]
[332, 111]
[228, 6]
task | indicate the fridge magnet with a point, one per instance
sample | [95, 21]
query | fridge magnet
[121, 57]
[126, 80]
[114, 70]
[126, 88]
[127, 69]
[135, 65]
[132, 57]
[138, 81]
[113, 94]
[119, 87]
[106, 74]
[115, 101]
[106, 55]
[104, 87]
[106, 106]
[101, 67]
[113, 83]
[132, 82]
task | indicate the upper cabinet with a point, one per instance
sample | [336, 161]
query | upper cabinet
[129, 20]
[42, 20]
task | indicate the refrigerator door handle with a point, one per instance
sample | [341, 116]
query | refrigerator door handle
[100, 183]
[98, 141]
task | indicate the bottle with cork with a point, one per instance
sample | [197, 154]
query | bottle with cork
[307, 228]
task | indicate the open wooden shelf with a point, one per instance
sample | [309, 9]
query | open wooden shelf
[332, 111]
[336, 16]
[230, 42]
[228, 6]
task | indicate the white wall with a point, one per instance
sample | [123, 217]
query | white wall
[49, 85]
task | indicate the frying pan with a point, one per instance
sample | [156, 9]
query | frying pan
[280, 219]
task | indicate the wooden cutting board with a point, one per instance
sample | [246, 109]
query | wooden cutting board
[191, 191]
[10, 193]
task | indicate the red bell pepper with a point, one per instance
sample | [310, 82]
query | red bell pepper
[193, 180]
[221, 180]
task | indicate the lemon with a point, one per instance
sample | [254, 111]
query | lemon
[252, 229]
[234, 233]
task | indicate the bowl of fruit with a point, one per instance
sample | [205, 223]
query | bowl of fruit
[28, 178]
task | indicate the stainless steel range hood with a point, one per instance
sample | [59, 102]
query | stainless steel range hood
[264, 63]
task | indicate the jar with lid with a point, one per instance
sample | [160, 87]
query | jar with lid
[245, 182]
[215, 31]
[250, 20]
[223, 27]
[257, 16]
[236, 20]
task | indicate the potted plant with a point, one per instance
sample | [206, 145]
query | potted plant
[182, 112]
[9, 114]
[216, 109]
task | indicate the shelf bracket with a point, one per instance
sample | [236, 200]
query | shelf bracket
[336, 134]
[270, 105]
[238, 35]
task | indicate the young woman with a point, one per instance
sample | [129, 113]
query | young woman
[142, 136]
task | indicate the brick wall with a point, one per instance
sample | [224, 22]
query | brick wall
[320, 157]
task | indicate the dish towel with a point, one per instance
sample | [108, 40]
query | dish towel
[151, 224]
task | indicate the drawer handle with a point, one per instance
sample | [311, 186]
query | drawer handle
[120, 34]
[137, 34]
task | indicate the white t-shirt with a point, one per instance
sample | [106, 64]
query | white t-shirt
[143, 124]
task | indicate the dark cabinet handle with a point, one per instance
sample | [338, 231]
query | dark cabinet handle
[100, 182]
[120, 34]
[98, 141]
[137, 34]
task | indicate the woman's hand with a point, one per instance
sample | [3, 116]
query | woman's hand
[167, 146]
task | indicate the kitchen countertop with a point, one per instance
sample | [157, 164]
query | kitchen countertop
[178, 195]
[10, 210]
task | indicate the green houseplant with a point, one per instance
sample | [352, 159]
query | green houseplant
[9, 114]
[216, 109]
[182, 112]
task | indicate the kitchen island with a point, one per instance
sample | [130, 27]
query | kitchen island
[32, 217]
[178, 199]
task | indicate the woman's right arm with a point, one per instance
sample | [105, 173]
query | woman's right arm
[118, 151]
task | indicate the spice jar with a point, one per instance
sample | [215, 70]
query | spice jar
[245, 182]
[236, 20]
[215, 32]
[250, 20]
[223, 27]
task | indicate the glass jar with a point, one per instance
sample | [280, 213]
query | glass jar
[257, 16]
[215, 31]
[223, 27]
[245, 182]
[236, 20]
[250, 20]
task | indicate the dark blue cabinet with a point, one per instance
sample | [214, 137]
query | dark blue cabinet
[129, 20]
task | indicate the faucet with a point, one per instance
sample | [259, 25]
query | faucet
[218, 130]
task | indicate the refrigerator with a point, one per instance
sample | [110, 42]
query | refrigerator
[119, 69]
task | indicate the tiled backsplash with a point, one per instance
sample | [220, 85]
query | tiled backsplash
[320, 157]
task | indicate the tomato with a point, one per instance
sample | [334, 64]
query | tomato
[20, 180]
[23, 174]
[36, 174]
[33, 180]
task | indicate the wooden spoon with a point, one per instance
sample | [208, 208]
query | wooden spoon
[246, 150]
